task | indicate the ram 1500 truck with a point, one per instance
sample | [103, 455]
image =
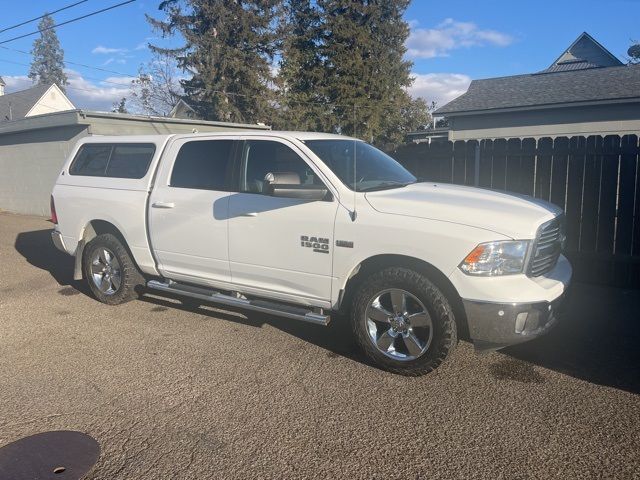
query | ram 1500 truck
[309, 225]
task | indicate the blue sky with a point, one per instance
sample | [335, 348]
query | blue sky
[451, 42]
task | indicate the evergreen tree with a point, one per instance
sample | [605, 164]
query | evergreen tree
[301, 78]
[47, 65]
[120, 106]
[407, 116]
[367, 75]
[228, 51]
[634, 53]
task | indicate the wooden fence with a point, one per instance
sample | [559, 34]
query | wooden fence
[596, 180]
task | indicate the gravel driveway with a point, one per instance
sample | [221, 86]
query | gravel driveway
[176, 392]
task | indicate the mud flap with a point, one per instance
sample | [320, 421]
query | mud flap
[77, 268]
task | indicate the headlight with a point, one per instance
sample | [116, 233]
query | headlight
[496, 258]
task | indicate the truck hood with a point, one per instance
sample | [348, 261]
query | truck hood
[515, 216]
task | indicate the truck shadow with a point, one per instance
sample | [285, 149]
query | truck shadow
[335, 337]
[597, 339]
[38, 249]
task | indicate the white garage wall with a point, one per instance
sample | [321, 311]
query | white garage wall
[31, 159]
[28, 170]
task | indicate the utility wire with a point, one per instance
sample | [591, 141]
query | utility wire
[68, 21]
[38, 18]
[312, 102]
[219, 92]
[83, 76]
[106, 70]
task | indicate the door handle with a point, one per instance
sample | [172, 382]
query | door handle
[250, 214]
[163, 205]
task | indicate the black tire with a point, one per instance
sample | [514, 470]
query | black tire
[444, 337]
[130, 277]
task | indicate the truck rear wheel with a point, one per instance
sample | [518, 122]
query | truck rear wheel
[402, 322]
[109, 270]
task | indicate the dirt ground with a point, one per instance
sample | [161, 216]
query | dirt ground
[179, 392]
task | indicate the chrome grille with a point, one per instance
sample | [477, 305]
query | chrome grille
[547, 247]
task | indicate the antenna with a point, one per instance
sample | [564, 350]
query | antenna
[354, 213]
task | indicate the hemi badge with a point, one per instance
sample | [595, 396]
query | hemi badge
[344, 243]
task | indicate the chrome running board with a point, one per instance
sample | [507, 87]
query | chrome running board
[264, 306]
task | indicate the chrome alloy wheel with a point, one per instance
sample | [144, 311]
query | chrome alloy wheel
[399, 325]
[105, 271]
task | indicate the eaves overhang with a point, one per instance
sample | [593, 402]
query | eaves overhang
[548, 106]
[85, 117]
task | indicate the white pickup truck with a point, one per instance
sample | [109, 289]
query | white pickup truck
[305, 225]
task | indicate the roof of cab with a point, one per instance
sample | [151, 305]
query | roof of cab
[125, 138]
[264, 133]
[270, 133]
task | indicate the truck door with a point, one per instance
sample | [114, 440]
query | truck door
[188, 210]
[276, 244]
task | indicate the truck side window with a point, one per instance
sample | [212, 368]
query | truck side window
[127, 160]
[261, 157]
[130, 161]
[202, 165]
[91, 160]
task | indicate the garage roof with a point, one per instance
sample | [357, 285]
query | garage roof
[117, 122]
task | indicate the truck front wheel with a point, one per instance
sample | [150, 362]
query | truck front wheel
[403, 322]
[109, 270]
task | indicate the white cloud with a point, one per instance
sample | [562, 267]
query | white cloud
[16, 83]
[100, 50]
[98, 95]
[116, 55]
[450, 35]
[439, 87]
[124, 81]
[109, 61]
[83, 93]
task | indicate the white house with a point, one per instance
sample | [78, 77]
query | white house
[183, 110]
[36, 100]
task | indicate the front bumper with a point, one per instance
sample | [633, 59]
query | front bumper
[58, 241]
[497, 325]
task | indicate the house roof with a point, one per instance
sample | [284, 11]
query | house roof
[584, 72]
[180, 104]
[14, 106]
[584, 52]
[605, 84]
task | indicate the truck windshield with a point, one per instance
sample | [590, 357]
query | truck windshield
[373, 169]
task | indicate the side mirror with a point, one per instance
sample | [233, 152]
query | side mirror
[287, 185]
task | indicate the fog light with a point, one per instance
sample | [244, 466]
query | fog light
[533, 322]
[521, 320]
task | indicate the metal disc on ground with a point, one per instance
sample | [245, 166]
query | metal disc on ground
[49, 455]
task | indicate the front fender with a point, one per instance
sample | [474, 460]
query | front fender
[440, 244]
